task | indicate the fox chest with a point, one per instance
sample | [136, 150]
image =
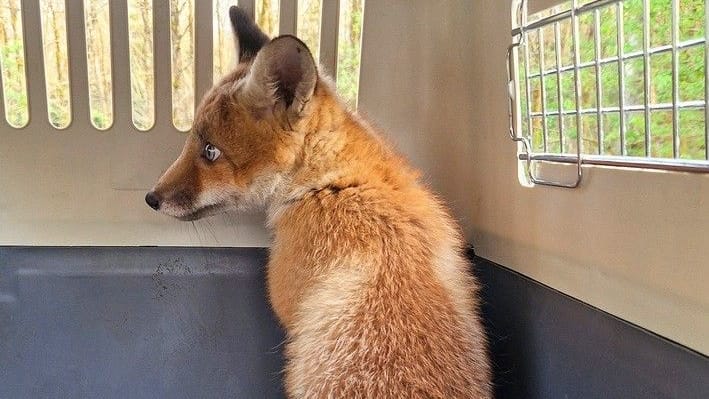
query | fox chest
[287, 285]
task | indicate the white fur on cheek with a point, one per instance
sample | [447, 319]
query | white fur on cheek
[212, 197]
[287, 192]
[173, 210]
[220, 198]
[261, 191]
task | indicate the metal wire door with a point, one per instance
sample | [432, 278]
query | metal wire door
[524, 118]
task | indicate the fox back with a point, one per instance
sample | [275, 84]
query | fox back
[367, 271]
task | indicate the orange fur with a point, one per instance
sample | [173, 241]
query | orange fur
[367, 272]
[356, 277]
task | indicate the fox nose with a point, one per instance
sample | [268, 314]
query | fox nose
[152, 200]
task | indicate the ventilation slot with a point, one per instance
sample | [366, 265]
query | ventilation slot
[182, 25]
[142, 76]
[12, 64]
[267, 16]
[349, 49]
[56, 63]
[98, 59]
[223, 47]
[309, 21]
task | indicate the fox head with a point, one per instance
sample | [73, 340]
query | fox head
[244, 138]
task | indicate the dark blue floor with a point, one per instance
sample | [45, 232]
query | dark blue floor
[136, 323]
[194, 323]
[548, 345]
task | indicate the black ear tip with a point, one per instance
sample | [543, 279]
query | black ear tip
[249, 37]
[237, 14]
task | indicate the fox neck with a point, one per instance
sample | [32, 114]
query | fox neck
[337, 151]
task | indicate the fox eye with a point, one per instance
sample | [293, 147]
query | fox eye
[211, 153]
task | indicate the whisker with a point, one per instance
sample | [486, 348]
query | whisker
[196, 231]
[210, 229]
[232, 222]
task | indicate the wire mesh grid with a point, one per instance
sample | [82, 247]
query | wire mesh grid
[611, 82]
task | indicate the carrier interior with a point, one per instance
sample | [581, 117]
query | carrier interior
[597, 291]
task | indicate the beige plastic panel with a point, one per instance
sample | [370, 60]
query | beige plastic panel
[633, 243]
[80, 186]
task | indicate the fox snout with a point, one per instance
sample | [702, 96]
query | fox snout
[178, 191]
[172, 189]
[178, 204]
[153, 200]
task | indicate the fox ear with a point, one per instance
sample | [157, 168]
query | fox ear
[282, 77]
[247, 36]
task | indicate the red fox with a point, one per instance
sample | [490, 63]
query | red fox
[367, 272]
